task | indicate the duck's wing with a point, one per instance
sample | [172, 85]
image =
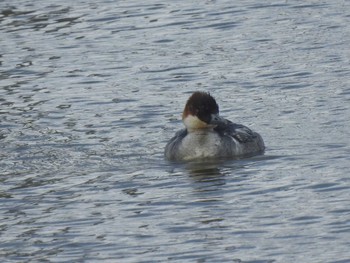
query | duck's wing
[237, 131]
[171, 148]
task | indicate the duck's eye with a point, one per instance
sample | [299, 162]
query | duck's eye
[203, 109]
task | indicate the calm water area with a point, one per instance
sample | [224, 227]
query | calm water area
[91, 91]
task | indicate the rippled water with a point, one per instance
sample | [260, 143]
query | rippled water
[91, 91]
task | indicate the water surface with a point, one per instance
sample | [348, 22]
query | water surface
[90, 92]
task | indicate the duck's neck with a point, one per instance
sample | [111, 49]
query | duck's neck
[200, 131]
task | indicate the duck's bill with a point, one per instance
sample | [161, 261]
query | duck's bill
[217, 120]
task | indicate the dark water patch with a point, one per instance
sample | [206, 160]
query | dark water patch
[306, 218]
[259, 6]
[164, 41]
[326, 187]
[221, 26]
[341, 211]
[288, 86]
[314, 5]
[341, 261]
[167, 69]
[270, 190]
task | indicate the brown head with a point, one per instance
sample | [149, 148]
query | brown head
[201, 111]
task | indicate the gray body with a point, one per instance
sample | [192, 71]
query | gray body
[228, 140]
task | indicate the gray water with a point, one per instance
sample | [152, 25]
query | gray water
[90, 92]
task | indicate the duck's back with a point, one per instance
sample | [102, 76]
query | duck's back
[239, 140]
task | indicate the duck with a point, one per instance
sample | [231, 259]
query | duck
[209, 136]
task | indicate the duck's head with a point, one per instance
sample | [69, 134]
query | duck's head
[201, 112]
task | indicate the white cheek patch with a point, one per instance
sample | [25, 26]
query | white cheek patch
[192, 122]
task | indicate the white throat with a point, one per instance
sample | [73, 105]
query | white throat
[193, 123]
